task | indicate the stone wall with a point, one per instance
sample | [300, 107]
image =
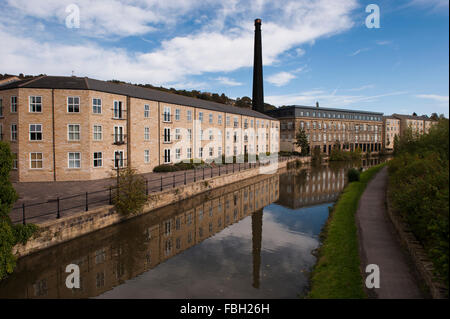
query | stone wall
[421, 262]
[67, 228]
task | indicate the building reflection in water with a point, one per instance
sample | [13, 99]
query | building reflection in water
[310, 186]
[113, 255]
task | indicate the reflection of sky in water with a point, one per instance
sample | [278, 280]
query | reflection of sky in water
[222, 266]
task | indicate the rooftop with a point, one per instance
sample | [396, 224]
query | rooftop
[325, 109]
[85, 83]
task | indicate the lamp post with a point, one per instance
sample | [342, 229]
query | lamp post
[117, 161]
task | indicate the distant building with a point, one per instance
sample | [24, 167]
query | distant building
[418, 124]
[391, 126]
[326, 127]
[72, 128]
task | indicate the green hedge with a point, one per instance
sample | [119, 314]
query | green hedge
[419, 192]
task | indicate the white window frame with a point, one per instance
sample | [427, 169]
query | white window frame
[167, 138]
[97, 159]
[13, 132]
[95, 107]
[35, 104]
[167, 114]
[74, 160]
[189, 115]
[146, 156]
[146, 111]
[73, 104]
[41, 160]
[94, 133]
[29, 132]
[177, 114]
[68, 132]
[167, 155]
[13, 104]
[189, 152]
[120, 133]
[117, 111]
[147, 133]
[178, 153]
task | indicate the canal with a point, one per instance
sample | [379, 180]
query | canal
[252, 239]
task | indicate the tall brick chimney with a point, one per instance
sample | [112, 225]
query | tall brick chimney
[258, 90]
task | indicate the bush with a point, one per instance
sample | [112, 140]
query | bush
[419, 191]
[353, 175]
[130, 196]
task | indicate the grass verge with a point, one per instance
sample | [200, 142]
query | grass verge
[337, 273]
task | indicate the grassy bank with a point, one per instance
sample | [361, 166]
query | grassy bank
[336, 273]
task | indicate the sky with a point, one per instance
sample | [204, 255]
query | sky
[313, 50]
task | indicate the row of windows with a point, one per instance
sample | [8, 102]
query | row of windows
[340, 116]
[73, 106]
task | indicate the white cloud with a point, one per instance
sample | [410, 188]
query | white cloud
[326, 99]
[384, 42]
[361, 88]
[280, 79]
[228, 82]
[223, 43]
[441, 100]
[435, 4]
[358, 51]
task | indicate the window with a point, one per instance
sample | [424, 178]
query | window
[210, 118]
[200, 152]
[189, 115]
[1, 108]
[74, 160]
[189, 152]
[146, 133]
[97, 133]
[219, 119]
[211, 151]
[146, 111]
[167, 135]
[200, 116]
[211, 137]
[236, 122]
[178, 153]
[13, 132]
[35, 132]
[73, 104]
[15, 162]
[98, 159]
[177, 114]
[167, 155]
[177, 134]
[219, 151]
[118, 109]
[118, 135]
[228, 120]
[118, 159]
[189, 134]
[166, 114]
[73, 132]
[147, 156]
[13, 104]
[35, 104]
[1, 132]
[97, 106]
[36, 160]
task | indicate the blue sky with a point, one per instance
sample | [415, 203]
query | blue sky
[314, 50]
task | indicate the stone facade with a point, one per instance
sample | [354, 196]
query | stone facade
[74, 134]
[326, 128]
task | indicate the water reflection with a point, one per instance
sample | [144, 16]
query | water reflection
[252, 239]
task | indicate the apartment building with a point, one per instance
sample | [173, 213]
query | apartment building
[391, 127]
[418, 124]
[326, 127]
[73, 128]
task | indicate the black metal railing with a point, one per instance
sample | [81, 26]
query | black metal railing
[60, 206]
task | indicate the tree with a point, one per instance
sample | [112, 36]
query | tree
[414, 114]
[130, 196]
[434, 116]
[302, 142]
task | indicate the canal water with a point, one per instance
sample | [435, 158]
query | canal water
[252, 239]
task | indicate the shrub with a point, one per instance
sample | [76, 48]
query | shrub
[353, 175]
[130, 196]
[419, 191]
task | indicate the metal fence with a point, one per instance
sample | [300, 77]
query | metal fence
[59, 206]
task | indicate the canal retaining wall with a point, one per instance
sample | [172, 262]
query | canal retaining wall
[54, 232]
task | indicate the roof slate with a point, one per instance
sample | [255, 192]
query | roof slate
[77, 83]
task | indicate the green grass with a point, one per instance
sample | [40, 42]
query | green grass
[337, 272]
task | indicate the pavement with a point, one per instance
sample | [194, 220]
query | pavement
[41, 198]
[379, 245]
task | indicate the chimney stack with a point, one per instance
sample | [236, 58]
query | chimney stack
[317, 104]
[258, 90]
